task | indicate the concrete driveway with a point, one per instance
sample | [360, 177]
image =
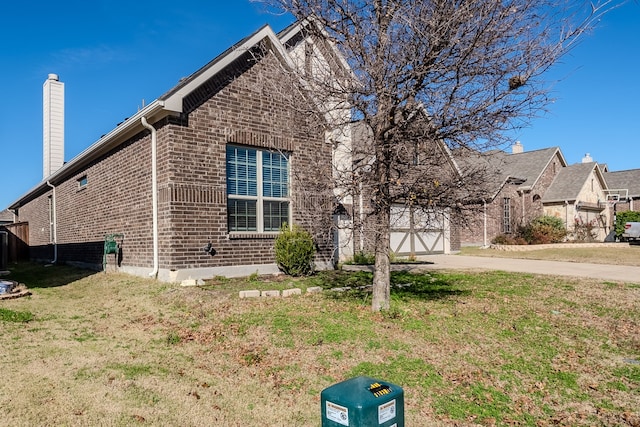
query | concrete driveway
[615, 273]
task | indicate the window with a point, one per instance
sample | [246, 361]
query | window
[506, 217]
[82, 182]
[257, 189]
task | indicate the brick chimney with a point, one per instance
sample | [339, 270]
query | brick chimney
[52, 125]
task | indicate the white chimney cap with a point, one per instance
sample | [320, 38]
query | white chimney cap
[53, 77]
[587, 158]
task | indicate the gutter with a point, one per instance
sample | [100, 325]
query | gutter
[55, 224]
[484, 224]
[154, 193]
[107, 142]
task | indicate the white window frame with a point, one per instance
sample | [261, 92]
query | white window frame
[82, 182]
[260, 198]
[506, 215]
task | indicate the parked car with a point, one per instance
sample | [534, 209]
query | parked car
[632, 232]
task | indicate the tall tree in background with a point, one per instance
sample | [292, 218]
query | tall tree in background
[472, 69]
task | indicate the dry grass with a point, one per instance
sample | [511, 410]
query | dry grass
[623, 254]
[469, 349]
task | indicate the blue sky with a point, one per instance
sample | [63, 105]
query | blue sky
[113, 56]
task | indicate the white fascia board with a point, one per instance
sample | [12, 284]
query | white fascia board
[174, 100]
[286, 36]
[131, 126]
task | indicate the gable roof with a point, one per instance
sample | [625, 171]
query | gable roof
[529, 165]
[524, 168]
[628, 179]
[6, 216]
[182, 97]
[569, 181]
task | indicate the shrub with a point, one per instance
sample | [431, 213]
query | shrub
[294, 250]
[544, 229]
[364, 258]
[508, 239]
[585, 231]
[502, 239]
[622, 218]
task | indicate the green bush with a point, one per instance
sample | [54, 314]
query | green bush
[544, 229]
[364, 258]
[622, 218]
[294, 250]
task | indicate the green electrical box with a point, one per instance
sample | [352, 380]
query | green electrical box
[362, 402]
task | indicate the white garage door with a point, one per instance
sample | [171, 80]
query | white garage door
[416, 232]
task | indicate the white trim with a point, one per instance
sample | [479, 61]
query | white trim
[260, 198]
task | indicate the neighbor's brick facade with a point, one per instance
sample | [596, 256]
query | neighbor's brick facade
[471, 225]
[191, 183]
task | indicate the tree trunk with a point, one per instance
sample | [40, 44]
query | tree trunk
[382, 271]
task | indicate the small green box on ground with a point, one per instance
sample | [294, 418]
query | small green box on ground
[362, 401]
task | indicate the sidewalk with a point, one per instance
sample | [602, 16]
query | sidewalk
[616, 273]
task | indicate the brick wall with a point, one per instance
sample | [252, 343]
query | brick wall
[471, 224]
[191, 183]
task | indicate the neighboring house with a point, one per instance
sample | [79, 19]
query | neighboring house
[6, 217]
[515, 184]
[624, 185]
[420, 215]
[528, 184]
[577, 196]
[227, 159]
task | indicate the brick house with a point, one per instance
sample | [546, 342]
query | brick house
[528, 184]
[6, 217]
[515, 184]
[626, 184]
[233, 162]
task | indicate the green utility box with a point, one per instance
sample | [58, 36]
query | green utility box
[362, 402]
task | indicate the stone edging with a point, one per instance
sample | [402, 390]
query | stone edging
[515, 248]
[275, 293]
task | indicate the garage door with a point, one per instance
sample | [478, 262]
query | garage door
[418, 232]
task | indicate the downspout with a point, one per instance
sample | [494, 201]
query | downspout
[361, 215]
[566, 215]
[55, 224]
[484, 224]
[154, 193]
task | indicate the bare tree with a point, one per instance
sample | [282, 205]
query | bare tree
[470, 70]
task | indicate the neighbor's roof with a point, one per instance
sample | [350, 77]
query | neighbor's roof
[526, 167]
[529, 165]
[6, 216]
[569, 181]
[628, 179]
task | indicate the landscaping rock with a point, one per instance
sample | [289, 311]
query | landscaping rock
[289, 292]
[249, 294]
[270, 293]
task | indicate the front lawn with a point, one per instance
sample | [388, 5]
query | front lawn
[468, 349]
